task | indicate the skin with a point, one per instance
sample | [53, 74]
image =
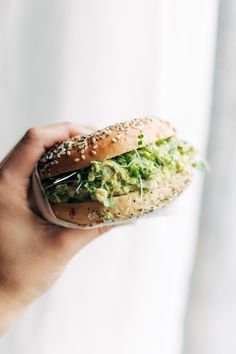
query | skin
[33, 253]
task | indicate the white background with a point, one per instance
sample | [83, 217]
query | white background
[97, 62]
[211, 315]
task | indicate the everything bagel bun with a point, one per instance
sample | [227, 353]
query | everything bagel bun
[128, 206]
[121, 172]
[78, 152]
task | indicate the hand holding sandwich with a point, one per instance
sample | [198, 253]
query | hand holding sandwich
[33, 253]
[112, 175]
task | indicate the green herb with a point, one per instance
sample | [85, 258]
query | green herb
[199, 165]
[160, 142]
[107, 216]
[140, 137]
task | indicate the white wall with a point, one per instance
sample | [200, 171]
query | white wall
[211, 319]
[98, 62]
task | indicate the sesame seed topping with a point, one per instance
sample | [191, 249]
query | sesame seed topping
[79, 144]
[77, 159]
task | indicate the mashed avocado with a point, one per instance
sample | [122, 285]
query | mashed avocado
[140, 169]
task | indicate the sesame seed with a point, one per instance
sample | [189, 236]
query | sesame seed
[77, 159]
[80, 144]
[94, 152]
[82, 157]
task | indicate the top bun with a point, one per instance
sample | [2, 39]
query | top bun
[78, 152]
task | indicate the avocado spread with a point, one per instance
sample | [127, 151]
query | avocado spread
[138, 170]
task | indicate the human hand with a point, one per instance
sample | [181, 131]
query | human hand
[33, 253]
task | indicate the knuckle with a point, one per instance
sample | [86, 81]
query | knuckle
[32, 133]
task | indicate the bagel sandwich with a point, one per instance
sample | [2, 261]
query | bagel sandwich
[121, 172]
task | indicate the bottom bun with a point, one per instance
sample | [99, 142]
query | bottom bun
[128, 206]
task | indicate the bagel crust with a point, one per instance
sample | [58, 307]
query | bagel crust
[128, 206]
[78, 152]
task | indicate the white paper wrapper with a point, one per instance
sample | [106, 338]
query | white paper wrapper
[45, 209]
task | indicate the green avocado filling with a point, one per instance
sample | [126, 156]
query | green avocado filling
[138, 170]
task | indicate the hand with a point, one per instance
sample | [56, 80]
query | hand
[33, 253]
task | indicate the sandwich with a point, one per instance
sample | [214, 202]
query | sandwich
[118, 173]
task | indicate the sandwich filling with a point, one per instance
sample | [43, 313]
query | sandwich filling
[138, 170]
